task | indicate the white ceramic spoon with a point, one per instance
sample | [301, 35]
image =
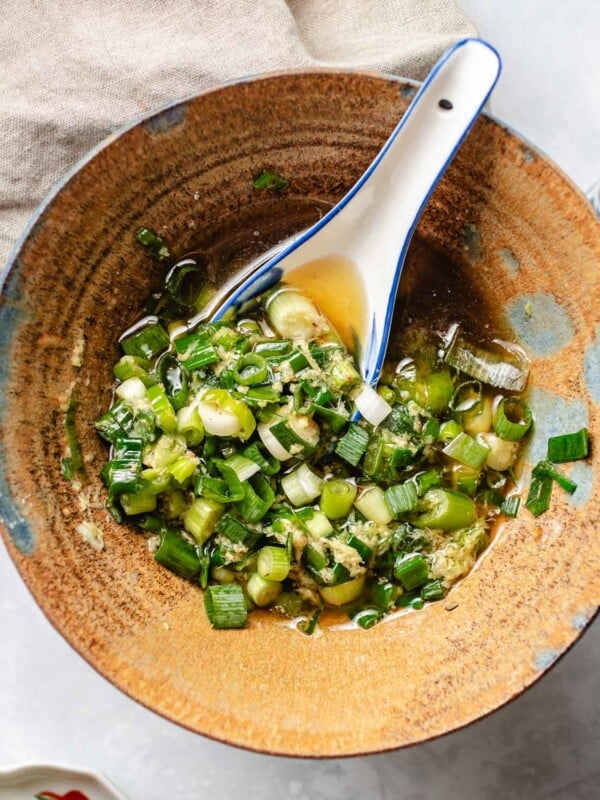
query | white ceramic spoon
[373, 224]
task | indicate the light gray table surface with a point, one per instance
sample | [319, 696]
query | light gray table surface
[53, 706]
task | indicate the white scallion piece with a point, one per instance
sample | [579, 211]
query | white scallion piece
[502, 454]
[130, 390]
[372, 406]
[276, 449]
[507, 368]
[217, 421]
[294, 316]
[371, 503]
[343, 592]
[301, 486]
[243, 467]
[318, 526]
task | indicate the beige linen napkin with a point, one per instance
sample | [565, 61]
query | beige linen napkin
[73, 71]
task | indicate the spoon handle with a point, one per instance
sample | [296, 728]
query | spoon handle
[402, 177]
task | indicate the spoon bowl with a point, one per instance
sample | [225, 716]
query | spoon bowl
[374, 222]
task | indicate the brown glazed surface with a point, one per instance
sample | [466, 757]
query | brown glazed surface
[502, 211]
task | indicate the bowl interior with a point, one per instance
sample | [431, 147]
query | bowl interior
[518, 241]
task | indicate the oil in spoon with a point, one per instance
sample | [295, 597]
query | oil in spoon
[334, 284]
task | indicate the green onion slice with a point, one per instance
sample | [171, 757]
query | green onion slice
[174, 379]
[467, 451]
[402, 498]
[411, 571]
[185, 282]
[466, 397]
[273, 563]
[512, 419]
[433, 591]
[257, 500]
[569, 446]
[145, 340]
[540, 494]
[153, 243]
[337, 498]
[176, 554]
[446, 510]
[309, 625]
[353, 444]
[367, 618]
[250, 369]
[225, 606]
[510, 505]
[267, 464]
[547, 469]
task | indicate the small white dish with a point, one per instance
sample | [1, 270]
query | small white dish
[55, 782]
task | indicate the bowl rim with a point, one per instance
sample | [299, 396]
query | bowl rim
[12, 261]
[57, 187]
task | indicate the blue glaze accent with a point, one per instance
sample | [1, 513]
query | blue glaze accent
[528, 156]
[591, 368]
[509, 260]
[372, 368]
[165, 120]
[582, 618]
[547, 329]
[544, 658]
[472, 242]
[583, 475]
[408, 92]
[16, 526]
[372, 353]
[553, 416]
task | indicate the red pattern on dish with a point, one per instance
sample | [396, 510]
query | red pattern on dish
[74, 794]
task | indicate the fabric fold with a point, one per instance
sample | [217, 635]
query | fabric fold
[73, 72]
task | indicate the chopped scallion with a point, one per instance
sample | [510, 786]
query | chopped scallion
[372, 504]
[467, 451]
[262, 592]
[337, 498]
[412, 571]
[225, 606]
[512, 419]
[153, 243]
[176, 554]
[569, 446]
[510, 505]
[433, 590]
[401, 498]
[547, 469]
[273, 563]
[301, 486]
[146, 342]
[446, 510]
[540, 494]
[353, 444]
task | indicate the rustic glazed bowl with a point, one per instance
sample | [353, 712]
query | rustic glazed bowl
[503, 217]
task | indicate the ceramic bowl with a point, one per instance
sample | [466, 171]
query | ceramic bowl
[503, 215]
